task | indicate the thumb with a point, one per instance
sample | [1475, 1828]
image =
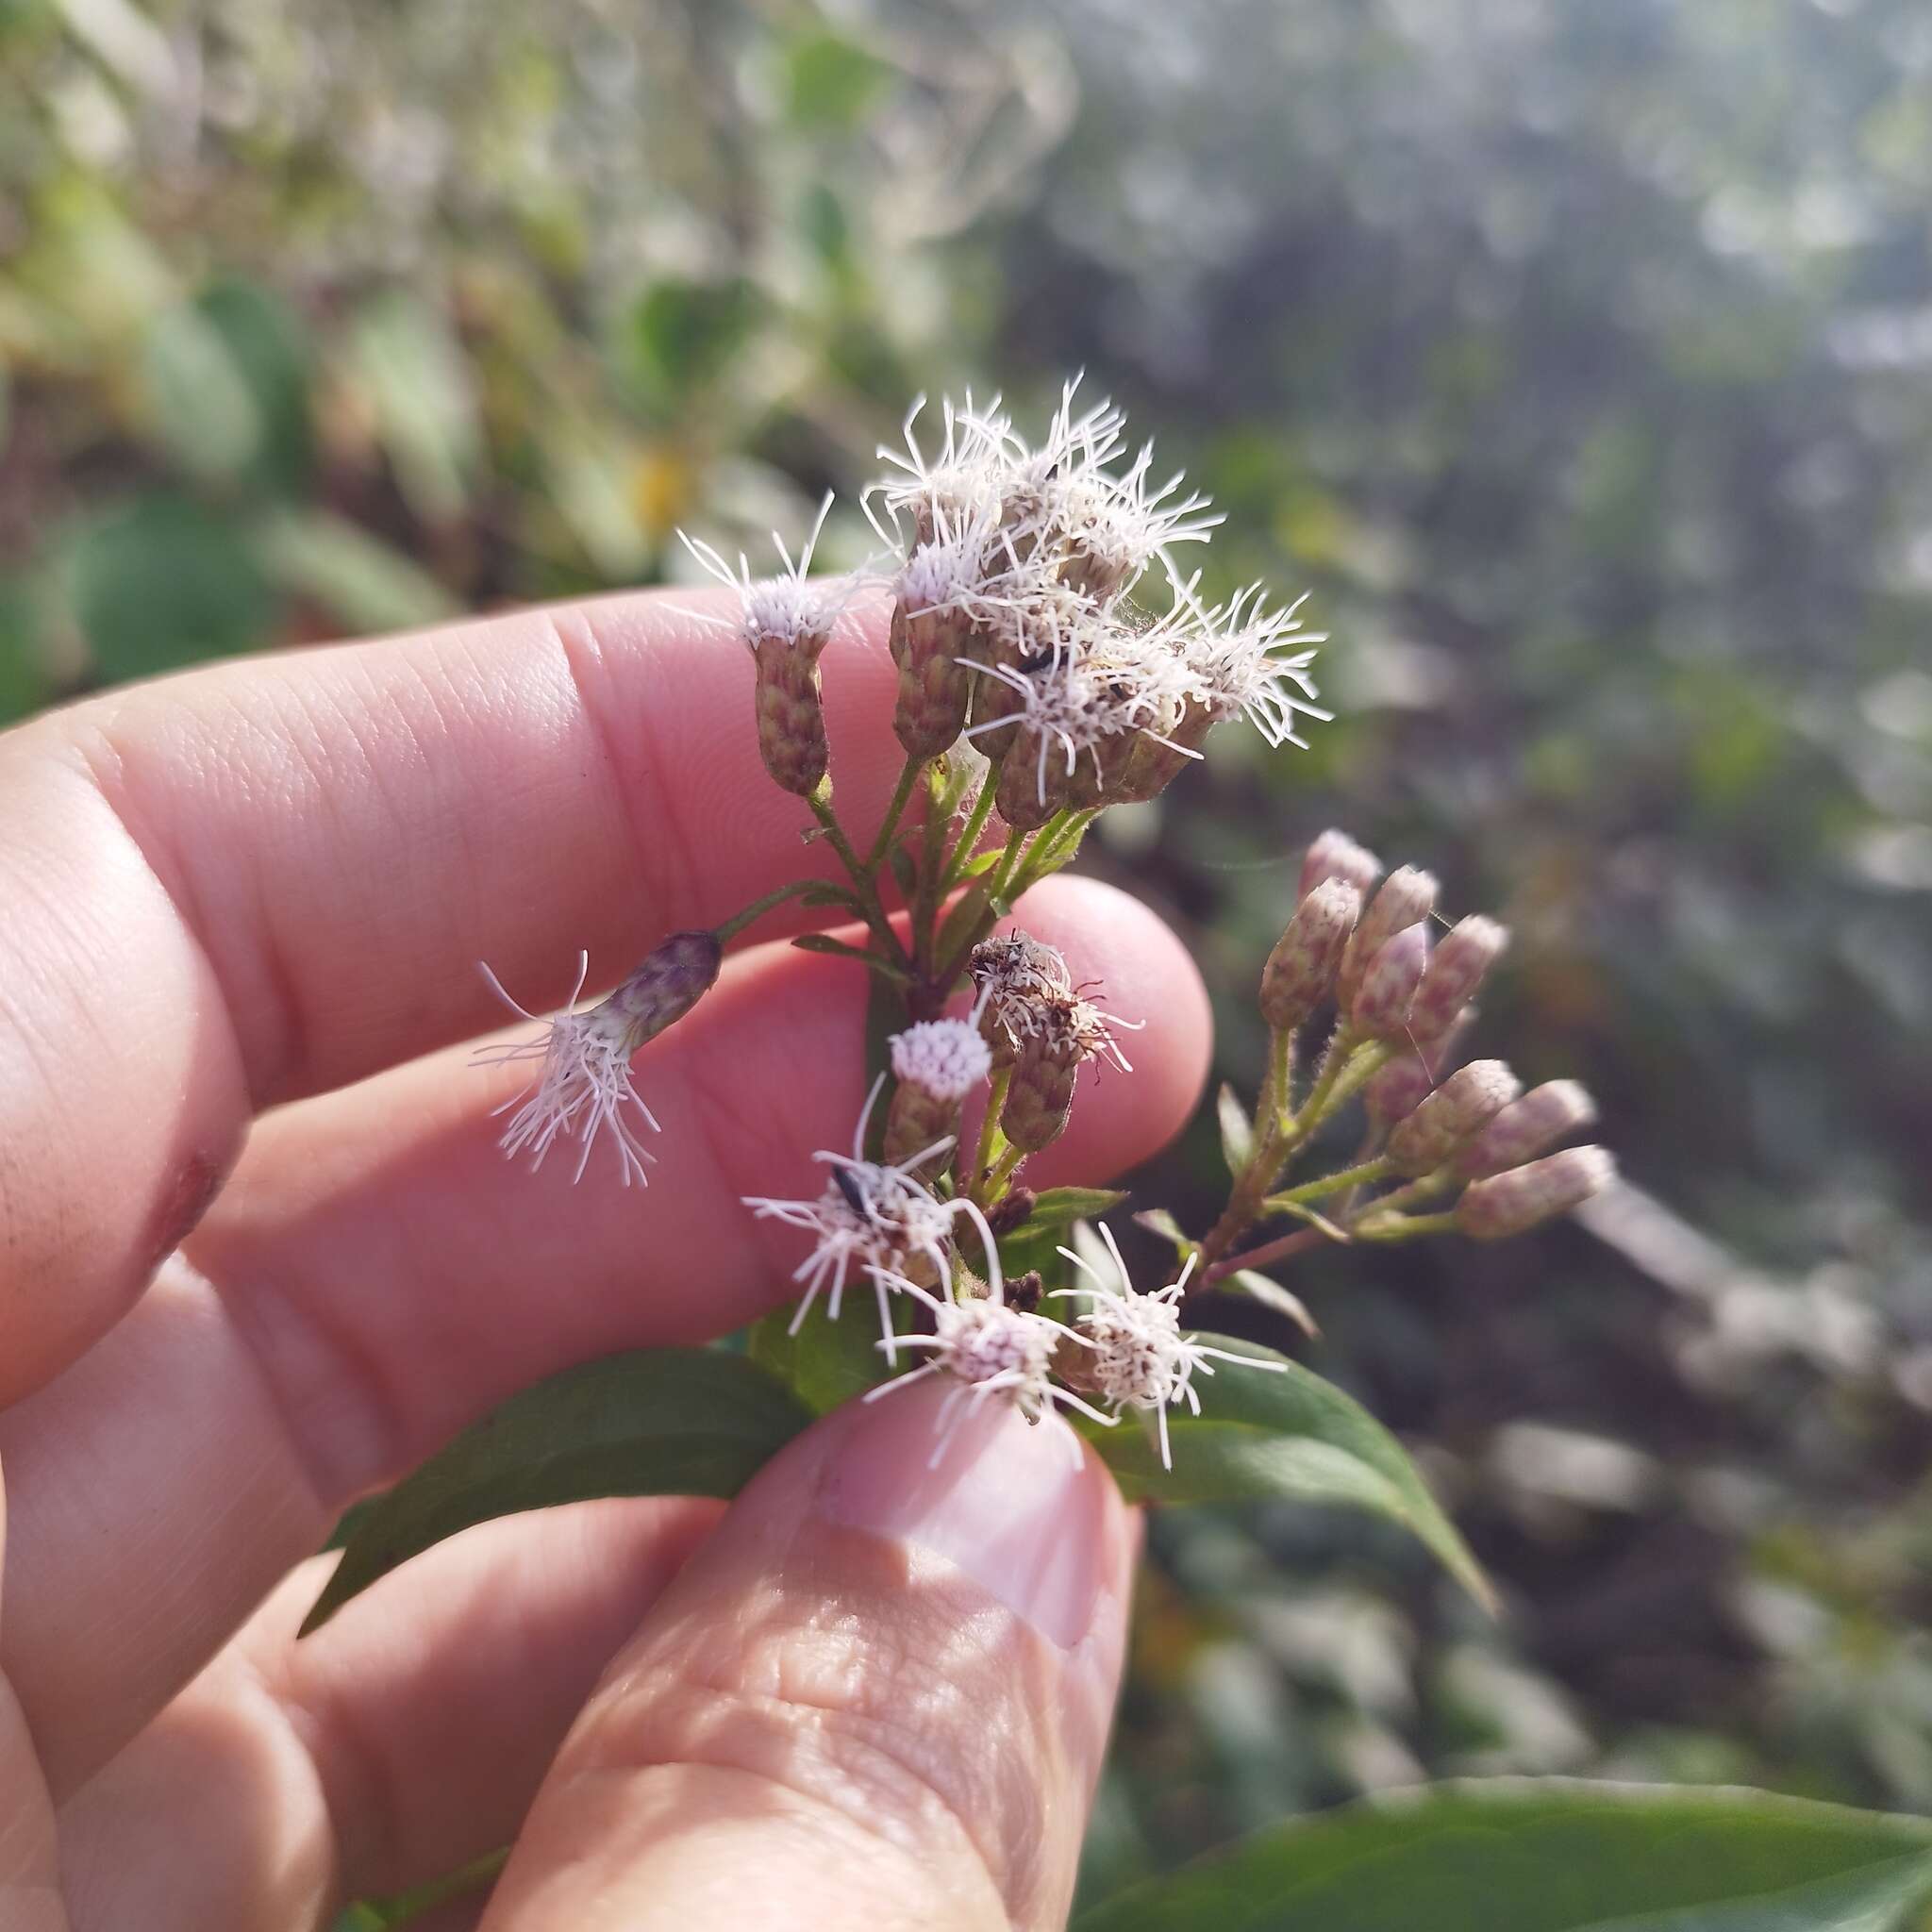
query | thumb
[878, 1695]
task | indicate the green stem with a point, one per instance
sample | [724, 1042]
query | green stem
[968, 842]
[1003, 1171]
[983, 1152]
[759, 907]
[1335, 1183]
[895, 811]
[866, 886]
[1401, 1228]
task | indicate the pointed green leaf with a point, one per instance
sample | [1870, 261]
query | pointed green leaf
[1237, 1131]
[674, 1422]
[1287, 1433]
[1270, 1294]
[838, 949]
[1056, 1206]
[1554, 1856]
[904, 870]
[1159, 1221]
[826, 1362]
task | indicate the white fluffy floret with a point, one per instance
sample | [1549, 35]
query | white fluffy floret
[1140, 1359]
[1244, 657]
[789, 606]
[584, 1087]
[988, 1349]
[874, 1220]
[946, 1058]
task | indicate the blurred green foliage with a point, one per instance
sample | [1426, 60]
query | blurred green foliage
[1577, 359]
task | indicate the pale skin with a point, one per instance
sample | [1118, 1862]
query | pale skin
[258, 1255]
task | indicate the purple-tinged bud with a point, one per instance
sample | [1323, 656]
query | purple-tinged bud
[1335, 856]
[933, 685]
[669, 982]
[1523, 1197]
[1402, 1086]
[1467, 1101]
[1463, 957]
[1301, 970]
[1525, 1127]
[1407, 898]
[790, 709]
[1045, 1067]
[1387, 987]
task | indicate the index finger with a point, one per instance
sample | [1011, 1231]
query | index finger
[262, 879]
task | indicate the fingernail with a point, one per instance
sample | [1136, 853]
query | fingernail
[1006, 1503]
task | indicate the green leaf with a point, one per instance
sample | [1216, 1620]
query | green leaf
[674, 1422]
[1159, 1221]
[269, 348]
[159, 582]
[838, 949]
[1553, 1856]
[831, 82]
[416, 379]
[1237, 1131]
[981, 863]
[1287, 1433]
[681, 334]
[826, 1362]
[1270, 1294]
[356, 577]
[1056, 1206]
[198, 401]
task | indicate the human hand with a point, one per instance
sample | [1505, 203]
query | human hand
[869, 1696]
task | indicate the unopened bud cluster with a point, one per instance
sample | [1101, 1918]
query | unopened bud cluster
[1402, 1000]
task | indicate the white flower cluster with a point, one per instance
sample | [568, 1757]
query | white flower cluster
[791, 609]
[945, 1058]
[1041, 549]
[1140, 1359]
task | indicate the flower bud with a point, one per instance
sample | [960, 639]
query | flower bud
[1302, 968]
[1525, 1127]
[1031, 775]
[1153, 763]
[669, 982]
[1335, 856]
[1401, 1087]
[1041, 1094]
[933, 685]
[1462, 960]
[789, 703]
[1381, 1004]
[1442, 1120]
[1523, 1197]
[936, 1063]
[1017, 981]
[1407, 898]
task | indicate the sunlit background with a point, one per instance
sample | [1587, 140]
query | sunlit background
[1578, 356]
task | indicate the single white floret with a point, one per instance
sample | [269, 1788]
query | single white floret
[791, 606]
[873, 1219]
[1142, 1359]
[584, 1088]
[946, 1058]
[988, 1349]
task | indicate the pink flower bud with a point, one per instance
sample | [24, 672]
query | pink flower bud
[1381, 1005]
[1407, 898]
[1525, 1127]
[1401, 1087]
[1335, 856]
[1465, 1101]
[1302, 968]
[1523, 1197]
[1462, 961]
